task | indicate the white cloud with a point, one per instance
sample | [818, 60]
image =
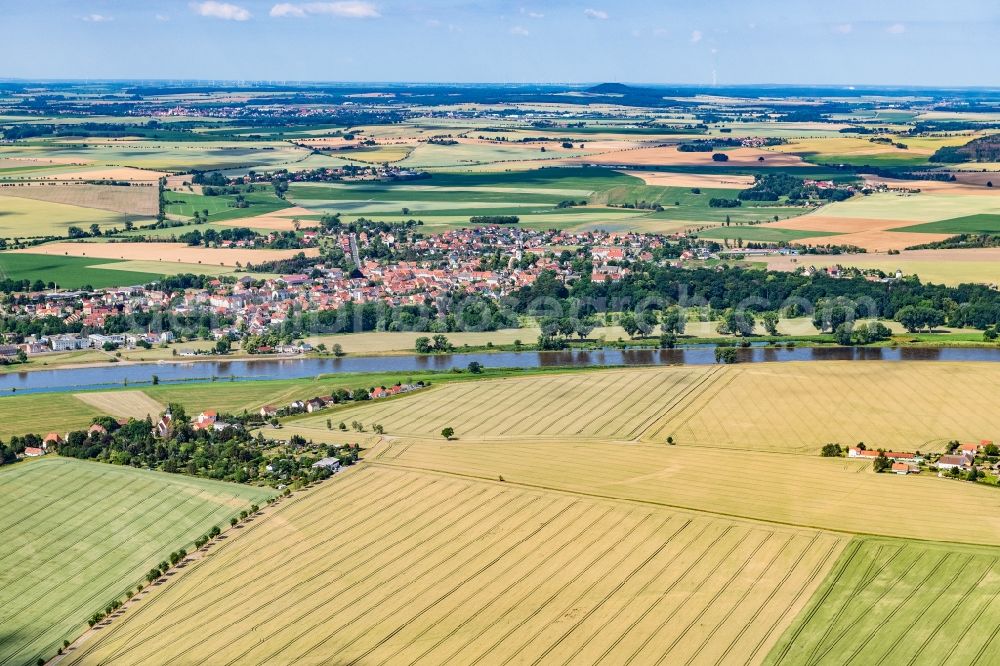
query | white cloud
[343, 9]
[221, 10]
[97, 18]
[661, 32]
[598, 14]
[696, 36]
[531, 14]
[519, 30]
[844, 28]
[162, 17]
[896, 29]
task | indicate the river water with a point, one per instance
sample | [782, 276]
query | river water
[112, 376]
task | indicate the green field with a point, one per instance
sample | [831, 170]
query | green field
[76, 535]
[447, 200]
[984, 223]
[218, 207]
[73, 272]
[31, 218]
[901, 602]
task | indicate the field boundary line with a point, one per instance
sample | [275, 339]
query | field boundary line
[679, 507]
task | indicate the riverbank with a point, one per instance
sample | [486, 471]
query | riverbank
[104, 377]
[373, 344]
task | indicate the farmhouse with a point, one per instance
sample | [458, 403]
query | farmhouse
[951, 462]
[869, 454]
[52, 438]
[34, 451]
[903, 468]
[268, 411]
[332, 464]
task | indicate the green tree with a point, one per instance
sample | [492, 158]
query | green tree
[673, 320]
[831, 451]
[769, 320]
[448, 432]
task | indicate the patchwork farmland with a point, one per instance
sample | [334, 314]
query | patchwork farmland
[393, 566]
[75, 535]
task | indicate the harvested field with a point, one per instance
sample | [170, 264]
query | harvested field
[788, 407]
[108, 173]
[876, 241]
[799, 407]
[123, 404]
[964, 185]
[666, 179]
[922, 207]
[274, 221]
[898, 602]
[616, 404]
[951, 267]
[167, 252]
[979, 178]
[133, 199]
[391, 566]
[806, 491]
[76, 535]
[872, 234]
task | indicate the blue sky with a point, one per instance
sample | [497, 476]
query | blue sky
[842, 42]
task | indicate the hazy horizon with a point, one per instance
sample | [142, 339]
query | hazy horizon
[893, 43]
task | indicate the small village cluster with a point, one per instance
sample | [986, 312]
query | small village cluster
[960, 458]
[254, 306]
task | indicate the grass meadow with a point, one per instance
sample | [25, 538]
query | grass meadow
[219, 208]
[75, 272]
[76, 535]
[383, 565]
[984, 223]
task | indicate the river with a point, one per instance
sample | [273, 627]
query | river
[116, 376]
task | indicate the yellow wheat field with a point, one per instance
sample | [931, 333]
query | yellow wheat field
[806, 491]
[124, 404]
[800, 406]
[393, 566]
[615, 405]
[790, 407]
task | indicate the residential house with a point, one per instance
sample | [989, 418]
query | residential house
[332, 464]
[34, 451]
[205, 420]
